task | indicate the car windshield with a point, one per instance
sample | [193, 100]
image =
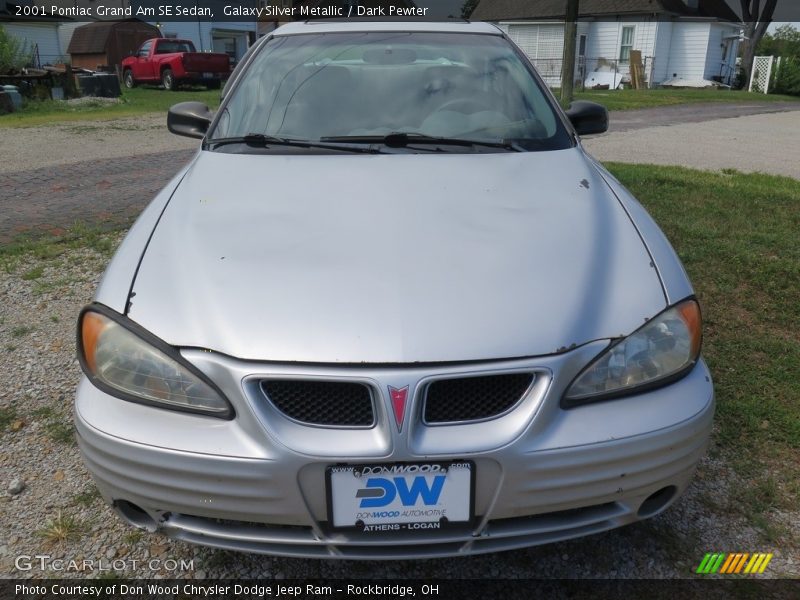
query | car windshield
[364, 86]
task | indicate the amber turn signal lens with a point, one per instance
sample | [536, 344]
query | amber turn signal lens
[92, 326]
[690, 314]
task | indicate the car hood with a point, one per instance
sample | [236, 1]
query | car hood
[393, 258]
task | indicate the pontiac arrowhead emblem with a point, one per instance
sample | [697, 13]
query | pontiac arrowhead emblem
[399, 397]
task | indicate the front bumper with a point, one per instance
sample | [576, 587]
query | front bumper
[258, 485]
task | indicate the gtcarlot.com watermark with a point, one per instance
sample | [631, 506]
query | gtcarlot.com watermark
[46, 562]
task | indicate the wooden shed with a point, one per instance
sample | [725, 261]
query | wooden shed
[103, 44]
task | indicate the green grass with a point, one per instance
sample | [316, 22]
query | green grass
[87, 497]
[61, 432]
[737, 237]
[44, 412]
[133, 537]
[60, 529]
[46, 247]
[34, 273]
[20, 331]
[58, 427]
[631, 99]
[8, 414]
[137, 101]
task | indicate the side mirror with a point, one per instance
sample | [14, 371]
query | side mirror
[190, 119]
[588, 117]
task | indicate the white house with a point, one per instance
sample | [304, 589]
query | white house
[690, 43]
[40, 35]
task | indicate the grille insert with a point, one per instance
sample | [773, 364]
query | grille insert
[474, 398]
[336, 403]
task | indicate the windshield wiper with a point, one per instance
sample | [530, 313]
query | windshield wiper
[402, 139]
[261, 140]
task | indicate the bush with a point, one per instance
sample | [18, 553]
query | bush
[740, 81]
[787, 77]
[14, 54]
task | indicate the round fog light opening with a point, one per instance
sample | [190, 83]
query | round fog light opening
[135, 515]
[656, 502]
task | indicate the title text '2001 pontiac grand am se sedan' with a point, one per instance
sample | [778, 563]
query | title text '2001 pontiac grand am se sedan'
[391, 309]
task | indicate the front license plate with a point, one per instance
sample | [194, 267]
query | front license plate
[208, 75]
[406, 496]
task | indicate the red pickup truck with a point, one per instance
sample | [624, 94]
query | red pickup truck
[173, 62]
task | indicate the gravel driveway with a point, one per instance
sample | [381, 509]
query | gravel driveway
[46, 494]
[769, 143]
[25, 148]
[679, 114]
[703, 136]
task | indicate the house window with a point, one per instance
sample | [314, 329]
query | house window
[627, 44]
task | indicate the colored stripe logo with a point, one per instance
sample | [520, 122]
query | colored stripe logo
[734, 563]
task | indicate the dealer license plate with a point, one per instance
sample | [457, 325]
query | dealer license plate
[208, 75]
[395, 497]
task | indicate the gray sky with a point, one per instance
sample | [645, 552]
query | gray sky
[774, 26]
[443, 8]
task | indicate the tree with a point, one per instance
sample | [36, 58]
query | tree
[784, 42]
[568, 61]
[468, 7]
[756, 22]
[13, 53]
[787, 77]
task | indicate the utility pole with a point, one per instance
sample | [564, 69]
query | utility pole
[568, 63]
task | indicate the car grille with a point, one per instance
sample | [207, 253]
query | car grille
[343, 404]
[474, 398]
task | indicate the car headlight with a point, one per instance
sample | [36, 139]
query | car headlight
[664, 349]
[126, 361]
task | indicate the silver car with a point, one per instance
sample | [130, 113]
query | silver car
[391, 309]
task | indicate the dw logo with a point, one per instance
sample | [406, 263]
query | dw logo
[381, 491]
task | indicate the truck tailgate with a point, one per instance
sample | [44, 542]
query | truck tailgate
[206, 62]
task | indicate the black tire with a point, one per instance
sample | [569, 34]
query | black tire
[128, 80]
[214, 84]
[168, 79]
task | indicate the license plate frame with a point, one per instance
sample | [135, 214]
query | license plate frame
[350, 479]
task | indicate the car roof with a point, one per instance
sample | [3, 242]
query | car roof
[356, 25]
